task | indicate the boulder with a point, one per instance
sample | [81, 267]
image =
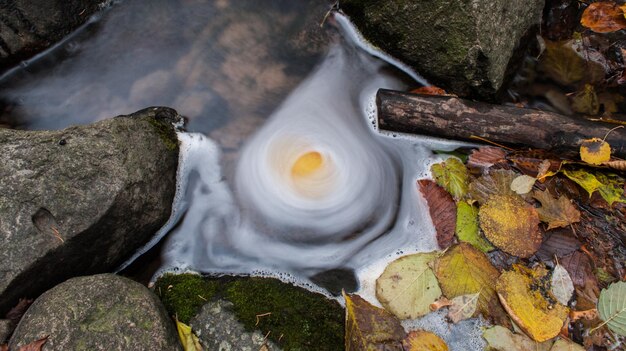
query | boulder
[99, 312]
[468, 47]
[81, 200]
[30, 26]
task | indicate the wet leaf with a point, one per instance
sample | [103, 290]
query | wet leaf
[556, 212]
[603, 17]
[408, 286]
[559, 243]
[579, 266]
[370, 328]
[586, 101]
[188, 339]
[497, 182]
[595, 151]
[452, 176]
[485, 157]
[519, 293]
[561, 285]
[619, 165]
[420, 340]
[442, 211]
[463, 270]
[566, 345]
[502, 339]
[612, 307]
[463, 307]
[429, 90]
[523, 184]
[35, 345]
[467, 227]
[585, 179]
[562, 63]
[511, 224]
[610, 188]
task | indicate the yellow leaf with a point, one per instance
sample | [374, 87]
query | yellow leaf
[511, 224]
[566, 345]
[464, 270]
[520, 293]
[370, 328]
[452, 176]
[187, 337]
[408, 286]
[502, 339]
[556, 212]
[420, 340]
[307, 164]
[595, 151]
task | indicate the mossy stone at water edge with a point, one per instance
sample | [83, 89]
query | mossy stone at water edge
[295, 318]
[468, 47]
[81, 200]
[100, 312]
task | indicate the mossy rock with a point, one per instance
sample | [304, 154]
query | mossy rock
[295, 318]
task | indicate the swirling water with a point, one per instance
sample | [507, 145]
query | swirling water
[315, 186]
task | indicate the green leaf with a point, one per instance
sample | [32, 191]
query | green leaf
[467, 227]
[408, 286]
[610, 187]
[452, 176]
[612, 307]
[370, 328]
[585, 179]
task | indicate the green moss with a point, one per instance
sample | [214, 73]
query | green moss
[166, 133]
[299, 319]
[184, 294]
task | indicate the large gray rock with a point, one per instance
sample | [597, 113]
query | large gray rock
[219, 329]
[80, 200]
[29, 26]
[100, 312]
[464, 46]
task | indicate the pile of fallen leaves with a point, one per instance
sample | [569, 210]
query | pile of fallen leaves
[530, 241]
[579, 64]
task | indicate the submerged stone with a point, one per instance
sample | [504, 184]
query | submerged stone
[100, 312]
[81, 200]
[466, 47]
[293, 318]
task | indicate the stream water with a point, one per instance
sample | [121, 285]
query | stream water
[283, 171]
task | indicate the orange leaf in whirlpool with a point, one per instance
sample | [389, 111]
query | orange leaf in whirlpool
[307, 164]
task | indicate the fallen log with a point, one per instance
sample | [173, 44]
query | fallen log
[455, 118]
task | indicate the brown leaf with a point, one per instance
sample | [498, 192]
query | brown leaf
[578, 265]
[421, 340]
[620, 165]
[556, 212]
[371, 328]
[35, 345]
[497, 182]
[442, 211]
[511, 224]
[485, 157]
[535, 163]
[604, 17]
[4, 347]
[559, 243]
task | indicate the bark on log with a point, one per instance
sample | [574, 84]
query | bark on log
[454, 118]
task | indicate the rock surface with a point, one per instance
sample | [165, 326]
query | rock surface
[80, 200]
[5, 330]
[465, 47]
[218, 328]
[100, 312]
[30, 26]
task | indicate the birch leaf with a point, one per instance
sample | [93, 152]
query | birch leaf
[595, 151]
[502, 339]
[556, 212]
[511, 224]
[369, 328]
[561, 286]
[408, 286]
[612, 307]
[463, 307]
[523, 184]
[420, 340]
[464, 270]
[467, 227]
[188, 339]
[566, 345]
[452, 176]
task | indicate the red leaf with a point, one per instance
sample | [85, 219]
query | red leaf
[485, 157]
[429, 90]
[442, 211]
[559, 243]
